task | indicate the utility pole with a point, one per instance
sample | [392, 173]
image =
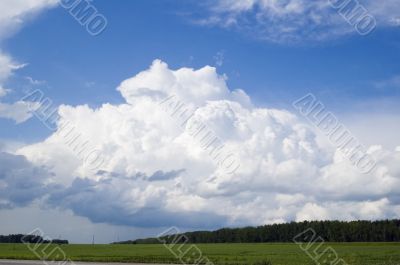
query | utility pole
[93, 240]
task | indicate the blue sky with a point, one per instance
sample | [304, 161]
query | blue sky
[81, 69]
[356, 77]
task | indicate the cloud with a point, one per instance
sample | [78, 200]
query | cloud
[219, 58]
[13, 14]
[19, 111]
[159, 175]
[156, 173]
[392, 83]
[292, 21]
[312, 211]
[34, 82]
[122, 202]
[7, 66]
[3, 92]
[20, 182]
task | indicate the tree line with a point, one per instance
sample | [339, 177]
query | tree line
[331, 231]
[20, 238]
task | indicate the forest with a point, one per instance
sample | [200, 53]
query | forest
[20, 238]
[330, 231]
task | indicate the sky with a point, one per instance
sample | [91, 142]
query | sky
[133, 103]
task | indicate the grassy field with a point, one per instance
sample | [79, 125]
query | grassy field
[277, 254]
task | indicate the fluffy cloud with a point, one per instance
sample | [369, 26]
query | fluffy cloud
[157, 173]
[293, 20]
[21, 182]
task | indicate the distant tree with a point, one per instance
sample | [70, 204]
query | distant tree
[332, 231]
[20, 238]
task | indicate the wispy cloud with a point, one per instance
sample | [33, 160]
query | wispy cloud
[3, 91]
[390, 83]
[292, 21]
[219, 58]
[34, 81]
[13, 13]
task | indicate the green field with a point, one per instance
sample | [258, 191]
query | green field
[277, 254]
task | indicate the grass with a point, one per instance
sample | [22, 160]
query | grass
[224, 254]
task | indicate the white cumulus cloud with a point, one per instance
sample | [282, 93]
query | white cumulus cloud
[155, 173]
